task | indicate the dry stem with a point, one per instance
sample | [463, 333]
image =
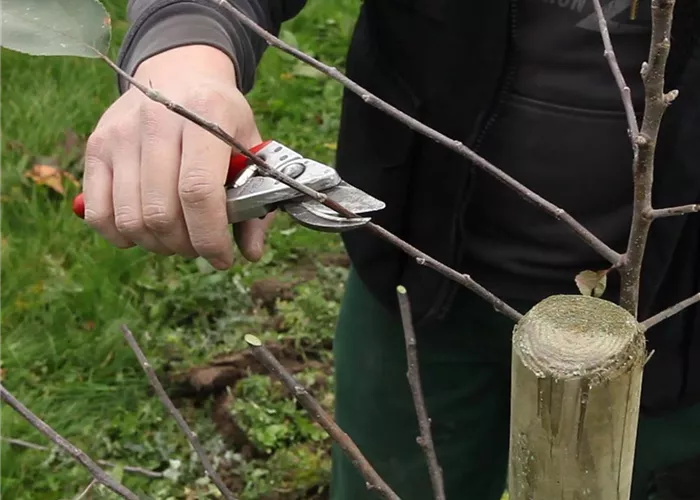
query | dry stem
[658, 213]
[656, 103]
[126, 468]
[175, 413]
[319, 415]
[667, 313]
[79, 455]
[625, 93]
[86, 490]
[413, 374]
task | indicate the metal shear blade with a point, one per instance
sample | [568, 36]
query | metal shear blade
[260, 195]
[254, 196]
[314, 215]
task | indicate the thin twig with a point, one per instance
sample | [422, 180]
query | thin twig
[126, 468]
[558, 213]
[626, 94]
[667, 313]
[672, 211]
[463, 279]
[420, 257]
[79, 455]
[656, 103]
[86, 490]
[175, 413]
[425, 440]
[319, 415]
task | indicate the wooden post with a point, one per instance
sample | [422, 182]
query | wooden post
[576, 374]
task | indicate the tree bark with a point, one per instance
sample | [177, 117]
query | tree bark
[576, 374]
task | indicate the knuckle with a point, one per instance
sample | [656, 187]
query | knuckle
[123, 130]
[128, 223]
[157, 219]
[196, 188]
[95, 146]
[207, 247]
[97, 220]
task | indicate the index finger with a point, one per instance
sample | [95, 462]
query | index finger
[204, 165]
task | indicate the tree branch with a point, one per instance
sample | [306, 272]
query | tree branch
[79, 455]
[656, 102]
[658, 213]
[667, 313]
[425, 440]
[625, 93]
[420, 257]
[319, 415]
[86, 490]
[463, 279]
[175, 413]
[127, 468]
[593, 241]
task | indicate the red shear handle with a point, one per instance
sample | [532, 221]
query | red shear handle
[239, 162]
[79, 206]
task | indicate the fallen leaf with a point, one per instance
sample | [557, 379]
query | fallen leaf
[331, 145]
[3, 372]
[15, 145]
[592, 283]
[51, 176]
[287, 76]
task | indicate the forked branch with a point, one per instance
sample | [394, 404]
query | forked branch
[79, 455]
[655, 104]
[321, 416]
[644, 147]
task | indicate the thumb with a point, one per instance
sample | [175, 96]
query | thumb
[250, 236]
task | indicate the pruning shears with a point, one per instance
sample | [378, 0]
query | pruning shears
[250, 194]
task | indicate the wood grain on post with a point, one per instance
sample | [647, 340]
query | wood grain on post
[576, 373]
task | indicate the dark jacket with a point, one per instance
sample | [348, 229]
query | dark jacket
[444, 63]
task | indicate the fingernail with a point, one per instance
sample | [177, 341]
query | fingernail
[221, 264]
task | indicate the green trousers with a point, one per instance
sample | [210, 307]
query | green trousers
[465, 372]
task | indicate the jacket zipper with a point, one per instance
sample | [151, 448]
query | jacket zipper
[492, 115]
[504, 90]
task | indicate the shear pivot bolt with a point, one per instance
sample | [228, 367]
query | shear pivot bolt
[294, 170]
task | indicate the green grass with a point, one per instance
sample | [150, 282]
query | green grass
[65, 292]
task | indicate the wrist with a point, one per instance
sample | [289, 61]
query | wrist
[187, 59]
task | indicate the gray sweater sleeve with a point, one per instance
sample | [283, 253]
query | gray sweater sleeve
[159, 25]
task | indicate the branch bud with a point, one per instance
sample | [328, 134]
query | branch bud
[670, 96]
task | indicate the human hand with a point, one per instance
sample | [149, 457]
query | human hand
[155, 179]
